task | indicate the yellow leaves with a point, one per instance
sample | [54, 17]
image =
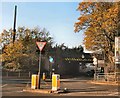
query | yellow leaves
[13, 51]
[116, 10]
[23, 52]
[81, 5]
[101, 21]
[99, 18]
[83, 18]
[78, 23]
[84, 5]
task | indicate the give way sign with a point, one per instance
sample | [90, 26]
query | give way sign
[41, 45]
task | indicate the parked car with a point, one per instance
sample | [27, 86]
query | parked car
[87, 69]
[90, 69]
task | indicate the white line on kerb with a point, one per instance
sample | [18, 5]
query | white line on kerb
[4, 85]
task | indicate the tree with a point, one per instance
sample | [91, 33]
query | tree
[11, 54]
[22, 54]
[100, 21]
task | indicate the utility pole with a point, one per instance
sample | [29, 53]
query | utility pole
[14, 25]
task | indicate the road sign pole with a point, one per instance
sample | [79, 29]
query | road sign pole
[40, 46]
[39, 70]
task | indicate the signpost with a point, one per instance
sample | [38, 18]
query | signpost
[117, 52]
[40, 46]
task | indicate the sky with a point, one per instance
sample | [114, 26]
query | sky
[57, 17]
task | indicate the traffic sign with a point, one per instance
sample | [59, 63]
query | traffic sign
[41, 45]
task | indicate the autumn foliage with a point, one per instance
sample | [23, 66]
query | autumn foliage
[23, 53]
[100, 23]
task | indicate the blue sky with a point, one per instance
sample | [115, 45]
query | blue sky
[57, 17]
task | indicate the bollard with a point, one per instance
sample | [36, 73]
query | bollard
[44, 76]
[55, 82]
[34, 84]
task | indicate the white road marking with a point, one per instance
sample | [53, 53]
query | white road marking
[4, 85]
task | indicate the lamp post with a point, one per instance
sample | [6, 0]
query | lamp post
[14, 26]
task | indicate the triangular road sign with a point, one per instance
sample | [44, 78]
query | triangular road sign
[41, 45]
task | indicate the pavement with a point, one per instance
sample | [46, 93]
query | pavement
[104, 83]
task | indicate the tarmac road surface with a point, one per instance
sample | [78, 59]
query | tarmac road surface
[75, 86]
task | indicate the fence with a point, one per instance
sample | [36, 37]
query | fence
[114, 77]
[16, 74]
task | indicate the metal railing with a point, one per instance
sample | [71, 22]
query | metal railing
[16, 74]
[113, 77]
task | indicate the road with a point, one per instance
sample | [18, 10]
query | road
[76, 87]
